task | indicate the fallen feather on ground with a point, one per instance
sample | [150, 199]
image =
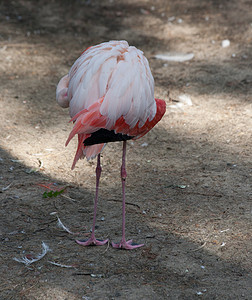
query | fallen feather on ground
[61, 225]
[97, 275]
[185, 99]
[201, 293]
[182, 186]
[28, 259]
[177, 57]
[177, 105]
[17, 160]
[60, 265]
[6, 188]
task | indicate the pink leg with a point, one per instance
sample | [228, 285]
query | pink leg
[123, 244]
[92, 240]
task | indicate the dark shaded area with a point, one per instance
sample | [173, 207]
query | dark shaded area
[172, 266]
[106, 136]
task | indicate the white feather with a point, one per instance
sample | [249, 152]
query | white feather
[28, 261]
[121, 75]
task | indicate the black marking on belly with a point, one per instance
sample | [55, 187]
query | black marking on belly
[106, 136]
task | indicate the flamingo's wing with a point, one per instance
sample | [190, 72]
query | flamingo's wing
[109, 86]
[90, 75]
[121, 75]
[130, 90]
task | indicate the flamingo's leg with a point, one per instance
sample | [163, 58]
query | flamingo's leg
[123, 244]
[92, 240]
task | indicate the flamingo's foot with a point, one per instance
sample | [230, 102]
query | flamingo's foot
[92, 241]
[126, 245]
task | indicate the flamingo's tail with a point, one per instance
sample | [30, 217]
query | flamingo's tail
[89, 152]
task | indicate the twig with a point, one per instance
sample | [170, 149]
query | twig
[204, 194]
[60, 265]
[106, 248]
[133, 204]
[9, 287]
[69, 198]
[83, 273]
[29, 288]
[49, 222]
[202, 246]
[6, 188]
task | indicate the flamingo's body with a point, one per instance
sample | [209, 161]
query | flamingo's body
[110, 93]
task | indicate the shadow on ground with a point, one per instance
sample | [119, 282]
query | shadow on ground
[167, 266]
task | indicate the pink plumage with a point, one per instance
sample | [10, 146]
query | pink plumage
[110, 94]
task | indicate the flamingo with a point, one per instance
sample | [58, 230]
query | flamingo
[110, 94]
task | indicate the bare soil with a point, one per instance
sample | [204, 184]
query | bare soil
[189, 180]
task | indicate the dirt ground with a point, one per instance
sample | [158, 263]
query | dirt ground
[189, 180]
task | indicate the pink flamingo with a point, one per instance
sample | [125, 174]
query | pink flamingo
[110, 93]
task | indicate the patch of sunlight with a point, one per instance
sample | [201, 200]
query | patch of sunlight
[49, 292]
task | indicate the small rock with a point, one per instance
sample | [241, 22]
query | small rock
[225, 43]
[144, 144]
[144, 11]
[171, 19]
